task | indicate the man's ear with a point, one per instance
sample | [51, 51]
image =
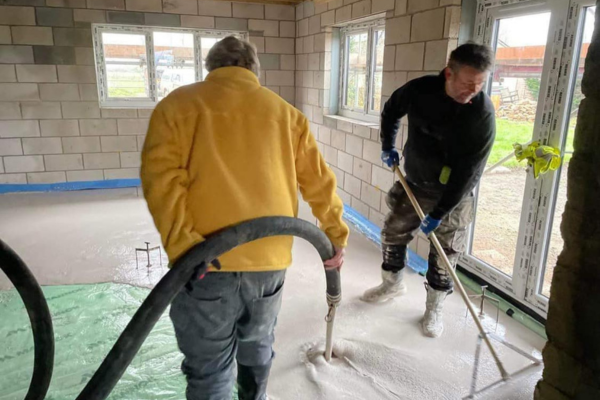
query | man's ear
[447, 72]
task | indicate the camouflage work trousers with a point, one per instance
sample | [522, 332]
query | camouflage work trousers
[402, 224]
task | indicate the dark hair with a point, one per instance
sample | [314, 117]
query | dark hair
[473, 55]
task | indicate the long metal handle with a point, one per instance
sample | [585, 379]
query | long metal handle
[452, 273]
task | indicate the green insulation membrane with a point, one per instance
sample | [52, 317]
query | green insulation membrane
[505, 306]
[88, 319]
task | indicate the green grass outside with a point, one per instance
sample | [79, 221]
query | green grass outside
[126, 92]
[509, 132]
[126, 85]
[127, 88]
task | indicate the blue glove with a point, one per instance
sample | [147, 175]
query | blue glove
[429, 225]
[390, 157]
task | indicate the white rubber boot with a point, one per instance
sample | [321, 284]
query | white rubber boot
[391, 286]
[432, 320]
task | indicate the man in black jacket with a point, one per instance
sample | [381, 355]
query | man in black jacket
[451, 129]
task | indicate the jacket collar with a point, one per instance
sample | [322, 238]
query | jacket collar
[234, 77]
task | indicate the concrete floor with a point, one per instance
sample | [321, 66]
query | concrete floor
[88, 237]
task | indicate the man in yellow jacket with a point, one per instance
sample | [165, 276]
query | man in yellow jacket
[217, 153]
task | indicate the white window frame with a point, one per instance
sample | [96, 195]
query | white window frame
[557, 82]
[148, 31]
[370, 27]
[555, 135]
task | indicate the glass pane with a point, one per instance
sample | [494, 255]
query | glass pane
[174, 59]
[356, 48]
[521, 43]
[361, 80]
[207, 44]
[126, 66]
[351, 90]
[556, 242]
[379, 44]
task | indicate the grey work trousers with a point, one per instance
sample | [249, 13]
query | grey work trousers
[223, 318]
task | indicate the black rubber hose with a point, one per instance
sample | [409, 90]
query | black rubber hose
[130, 341]
[39, 316]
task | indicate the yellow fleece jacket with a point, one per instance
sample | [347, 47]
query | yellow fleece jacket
[227, 150]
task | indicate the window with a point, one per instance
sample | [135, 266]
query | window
[137, 66]
[362, 69]
[535, 86]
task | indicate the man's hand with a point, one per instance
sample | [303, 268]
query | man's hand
[337, 261]
[429, 225]
[390, 157]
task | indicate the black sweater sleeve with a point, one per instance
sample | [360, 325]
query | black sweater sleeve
[467, 169]
[393, 110]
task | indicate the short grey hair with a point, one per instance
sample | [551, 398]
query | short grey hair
[233, 52]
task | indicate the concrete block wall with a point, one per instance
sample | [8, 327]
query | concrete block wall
[420, 35]
[51, 127]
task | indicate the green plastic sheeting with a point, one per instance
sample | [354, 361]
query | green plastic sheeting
[504, 306]
[88, 319]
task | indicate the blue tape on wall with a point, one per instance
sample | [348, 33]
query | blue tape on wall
[373, 233]
[69, 186]
[363, 225]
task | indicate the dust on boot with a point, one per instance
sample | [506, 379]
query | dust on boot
[252, 382]
[432, 323]
[391, 286]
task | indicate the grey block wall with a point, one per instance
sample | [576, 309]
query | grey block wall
[420, 34]
[51, 126]
[52, 129]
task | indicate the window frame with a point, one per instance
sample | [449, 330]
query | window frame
[374, 70]
[148, 32]
[370, 27]
[561, 59]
